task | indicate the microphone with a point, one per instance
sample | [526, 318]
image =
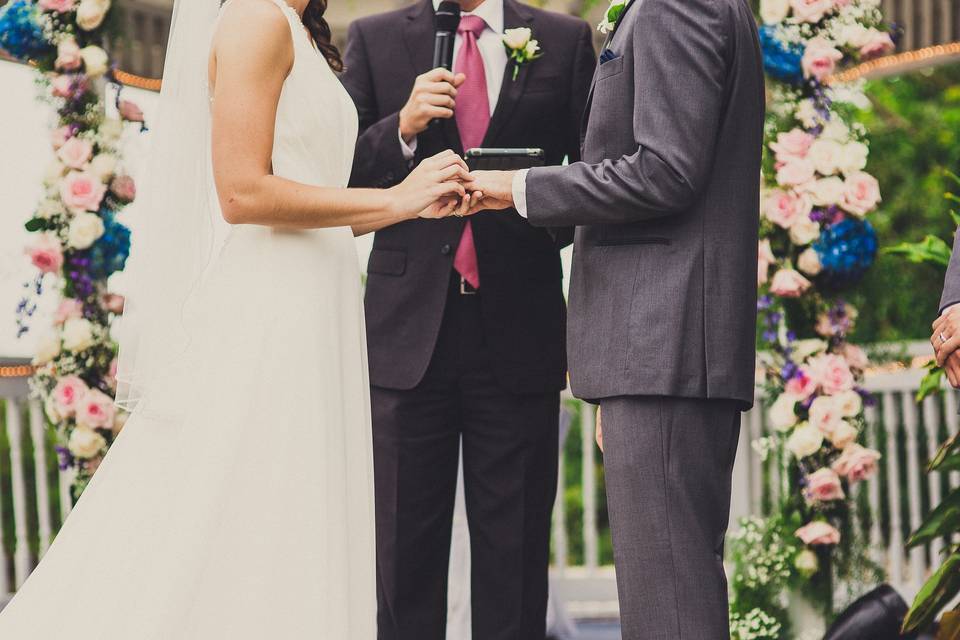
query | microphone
[447, 21]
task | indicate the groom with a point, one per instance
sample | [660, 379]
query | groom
[465, 318]
[663, 297]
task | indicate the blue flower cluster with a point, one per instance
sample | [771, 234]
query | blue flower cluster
[109, 254]
[20, 32]
[780, 60]
[846, 250]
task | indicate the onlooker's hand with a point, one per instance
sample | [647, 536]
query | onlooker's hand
[433, 96]
[600, 428]
[952, 369]
[946, 334]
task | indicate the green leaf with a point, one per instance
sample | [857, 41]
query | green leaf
[930, 249]
[949, 449]
[936, 593]
[942, 521]
[951, 463]
[955, 216]
[36, 224]
[931, 382]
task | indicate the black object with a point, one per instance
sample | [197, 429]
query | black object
[447, 20]
[503, 159]
[877, 615]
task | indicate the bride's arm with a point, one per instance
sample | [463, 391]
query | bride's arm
[252, 56]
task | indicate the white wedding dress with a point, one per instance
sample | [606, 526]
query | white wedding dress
[250, 516]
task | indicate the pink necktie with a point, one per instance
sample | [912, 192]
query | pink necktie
[473, 117]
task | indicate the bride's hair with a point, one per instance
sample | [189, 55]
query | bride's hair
[319, 30]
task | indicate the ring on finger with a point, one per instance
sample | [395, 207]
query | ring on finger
[943, 338]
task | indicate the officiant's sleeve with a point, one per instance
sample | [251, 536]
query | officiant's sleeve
[951, 283]
[679, 52]
[378, 161]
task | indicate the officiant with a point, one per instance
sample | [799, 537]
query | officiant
[465, 317]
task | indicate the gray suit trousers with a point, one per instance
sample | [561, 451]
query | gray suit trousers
[668, 465]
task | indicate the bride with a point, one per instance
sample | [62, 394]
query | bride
[238, 500]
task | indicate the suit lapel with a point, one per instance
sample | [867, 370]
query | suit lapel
[511, 92]
[419, 32]
[596, 72]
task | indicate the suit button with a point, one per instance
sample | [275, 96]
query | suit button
[446, 249]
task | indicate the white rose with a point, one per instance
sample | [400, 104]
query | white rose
[517, 38]
[809, 262]
[85, 443]
[55, 171]
[50, 408]
[783, 413]
[826, 191]
[85, 229]
[49, 208]
[803, 349]
[807, 114]
[805, 441]
[90, 13]
[825, 155]
[806, 562]
[849, 403]
[854, 35]
[532, 48]
[843, 434]
[853, 158]
[774, 11]
[77, 335]
[835, 130]
[103, 166]
[111, 129]
[804, 232]
[47, 348]
[95, 61]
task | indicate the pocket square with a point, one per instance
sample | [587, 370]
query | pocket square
[607, 55]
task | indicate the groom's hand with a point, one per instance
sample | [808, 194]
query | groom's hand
[496, 189]
[433, 96]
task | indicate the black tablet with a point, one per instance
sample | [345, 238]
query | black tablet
[503, 159]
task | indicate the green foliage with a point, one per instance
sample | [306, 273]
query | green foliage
[939, 590]
[914, 141]
[942, 521]
[930, 249]
[931, 382]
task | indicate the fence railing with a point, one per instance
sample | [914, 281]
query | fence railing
[885, 509]
[34, 495]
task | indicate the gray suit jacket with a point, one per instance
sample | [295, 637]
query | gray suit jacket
[663, 293]
[951, 283]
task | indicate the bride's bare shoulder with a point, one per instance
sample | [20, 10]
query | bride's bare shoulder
[252, 32]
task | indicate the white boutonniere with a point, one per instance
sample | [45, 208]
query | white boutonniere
[614, 11]
[521, 47]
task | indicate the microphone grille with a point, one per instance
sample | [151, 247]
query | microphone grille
[448, 16]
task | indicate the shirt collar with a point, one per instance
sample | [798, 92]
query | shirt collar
[491, 11]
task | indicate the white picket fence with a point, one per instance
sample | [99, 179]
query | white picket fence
[34, 503]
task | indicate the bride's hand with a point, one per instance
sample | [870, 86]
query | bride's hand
[434, 189]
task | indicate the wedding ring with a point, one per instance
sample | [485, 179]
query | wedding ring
[942, 339]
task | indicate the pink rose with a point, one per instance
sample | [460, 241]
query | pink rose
[795, 172]
[765, 258]
[879, 44]
[788, 283]
[130, 111]
[60, 6]
[856, 357]
[82, 191]
[825, 415]
[811, 10]
[68, 55]
[113, 303]
[62, 86]
[832, 373]
[69, 308]
[75, 153]
[60, 136]
[786, 208]
[124, 188]
[857, 463]
[792, 144]
[820, 59]
[801, 385]
[96, 410]
[818, 533]
[861, 193]
[111, 377]
[67, 395]
[823, 485]
[46, 254]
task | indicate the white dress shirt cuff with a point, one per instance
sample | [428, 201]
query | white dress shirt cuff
[408, 150]
[520, 191]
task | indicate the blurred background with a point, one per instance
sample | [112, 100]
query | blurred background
[914, 129]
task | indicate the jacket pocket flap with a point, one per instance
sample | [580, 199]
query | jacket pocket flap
[388, 262]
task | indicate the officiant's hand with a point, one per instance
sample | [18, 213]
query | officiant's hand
[433, 96]
[436, 188]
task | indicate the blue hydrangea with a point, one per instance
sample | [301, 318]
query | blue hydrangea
[780, 60]
[846, 250]
[21, 34]
[109, 254]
